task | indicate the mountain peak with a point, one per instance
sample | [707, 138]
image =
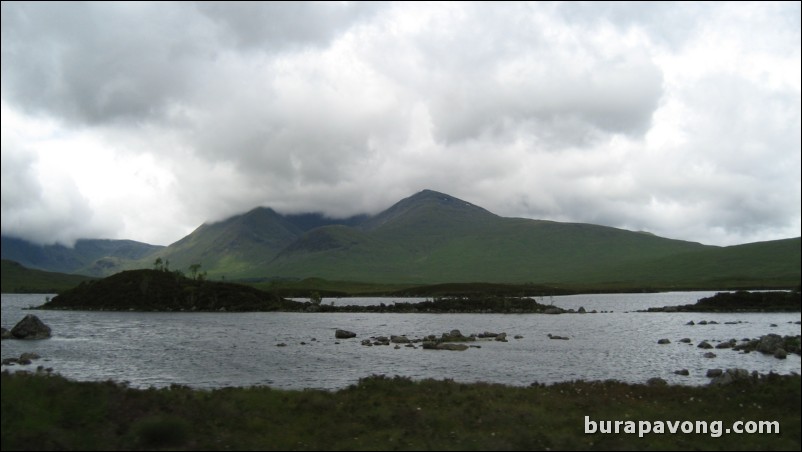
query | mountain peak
[429, 204]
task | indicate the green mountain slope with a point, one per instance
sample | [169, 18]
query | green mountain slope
[88, 256]
[231, 247]
[754, 265]
[432, 237]
[18, 279]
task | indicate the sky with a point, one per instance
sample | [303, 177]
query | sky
[144, 120]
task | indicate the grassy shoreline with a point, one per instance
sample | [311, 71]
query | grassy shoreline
[41, 412]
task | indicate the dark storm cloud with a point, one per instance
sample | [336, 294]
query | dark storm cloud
[104, 62]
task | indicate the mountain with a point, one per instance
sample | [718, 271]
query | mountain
[89, 256]
[433, 237]
[233, 246]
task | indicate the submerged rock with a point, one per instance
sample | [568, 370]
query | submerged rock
[451, 346]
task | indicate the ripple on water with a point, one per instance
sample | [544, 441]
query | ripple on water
[211, 350]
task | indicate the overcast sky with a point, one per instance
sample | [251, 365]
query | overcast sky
[144, 120]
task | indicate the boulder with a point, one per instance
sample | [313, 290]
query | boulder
[728, 344]
[655, 381]
[685, 340]
[29, 356]
[704, 344]
[502, 337]
[710, 355]
[663, 341]
[780, 353]
[399, 340]
[711, 373]
[343, 334]
[731, 376]
[682, 372]
[30, 327]
[769, 343]
[454, 334]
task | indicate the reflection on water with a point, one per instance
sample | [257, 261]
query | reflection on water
[210, 350]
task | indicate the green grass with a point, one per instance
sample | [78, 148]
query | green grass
[326, 288]
[517, 251]
[49, 412]
[18, 279]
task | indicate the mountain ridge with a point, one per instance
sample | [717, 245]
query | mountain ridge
[431, 237]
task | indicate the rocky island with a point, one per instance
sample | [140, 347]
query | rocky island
[742, 301]
[158, 290]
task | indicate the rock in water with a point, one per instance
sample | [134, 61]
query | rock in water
[30, 327]
[449, 346]
[343, 334]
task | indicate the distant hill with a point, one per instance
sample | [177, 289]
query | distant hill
[18, 279]
[432, 238]
[91, 257]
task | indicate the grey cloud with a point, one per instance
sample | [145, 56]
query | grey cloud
[348, 107]
[501, 66]
[101, 63]
[96, 62]
[273, 26]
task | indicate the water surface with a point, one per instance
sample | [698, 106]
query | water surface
[212, 350]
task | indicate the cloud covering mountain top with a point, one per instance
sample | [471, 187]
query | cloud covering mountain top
[144, 120]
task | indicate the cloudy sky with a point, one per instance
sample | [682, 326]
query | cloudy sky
[143, 120]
